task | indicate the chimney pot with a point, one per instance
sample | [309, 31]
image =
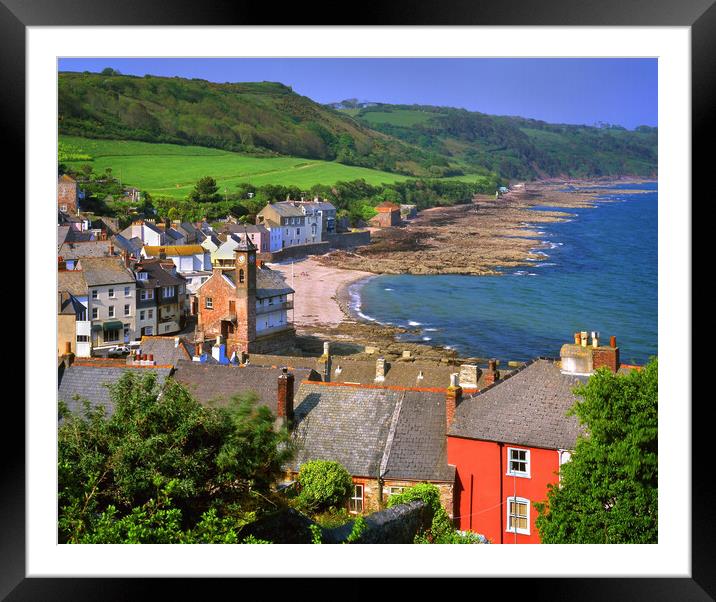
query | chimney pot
[453, 397]
[584, 338]
[612, 341]
[380, 369]
[492, 375]
[577, 338]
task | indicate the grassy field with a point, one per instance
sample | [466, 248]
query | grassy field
[171, 170]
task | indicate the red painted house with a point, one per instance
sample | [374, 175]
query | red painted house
[508, 441]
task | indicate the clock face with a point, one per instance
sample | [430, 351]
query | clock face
[242, 258]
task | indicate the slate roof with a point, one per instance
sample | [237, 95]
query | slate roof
[73, 249]
[269, 283]
[285, 209]
[368, 429]
[99, 271]
[164, 350]
[397, 373]
[158, 275]
[133, 246]
[217, 383]
[528, 408]
[68, 305]
[73, 282]
[90, 382]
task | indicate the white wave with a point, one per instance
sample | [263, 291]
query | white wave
[430, 329]
[531, 274]
[387, 289]
[543, 265]
[427, 339]
[413, 323]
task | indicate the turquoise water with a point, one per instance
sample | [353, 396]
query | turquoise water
[598, 272]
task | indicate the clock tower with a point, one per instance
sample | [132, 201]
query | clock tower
[245, 283]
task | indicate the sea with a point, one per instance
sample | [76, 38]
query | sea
[596, 272]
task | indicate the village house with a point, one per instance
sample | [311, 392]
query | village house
[236, 233]
[71, 252]
[108, 286]
[388, 215]
[246, 305]
[164, 351]
[193, 262]
[67, 195]
[508, 440]
[289, 218]
[314, 220]
[161, 298]
[74, 325]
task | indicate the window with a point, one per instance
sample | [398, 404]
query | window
[110, 310]
[168, 291]
[111, 336]
[127, 291]
[149, 331]
[82, 338]
[395, 490]
[518, 462]
[146, 294]
[355, 504]
[141, 315]
[150, 314]
[94, 293]
[126, 310]
[209, 303]
[142, 276]
[241, 276]
[111, 293]
[518, 515]
[95, 313]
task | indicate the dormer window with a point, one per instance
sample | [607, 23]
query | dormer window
[142, 276]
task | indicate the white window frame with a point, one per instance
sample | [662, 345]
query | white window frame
[95, 313]
[150, 314]
[168, 291]
[110, 293]
[353, 501]
[127, 310]
[94, 293]
[141, 314]
[110, 311]
[517, 500]
[142, 276]
[127, 291]
[518, 473]
[208, 303]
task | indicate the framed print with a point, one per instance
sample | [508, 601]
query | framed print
[38, 37]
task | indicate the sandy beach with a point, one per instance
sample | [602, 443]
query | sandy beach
[316, 287]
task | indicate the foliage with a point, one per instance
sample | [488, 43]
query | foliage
[163, 465]
[608, 491]
[441, 530]
[205, 191]
[332, 518]
[359, 527]
[324, 484]
[316, 534]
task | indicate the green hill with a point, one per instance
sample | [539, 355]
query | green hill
[264, 119]
[513, 146]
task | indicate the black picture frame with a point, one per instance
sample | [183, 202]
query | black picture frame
[16, 15]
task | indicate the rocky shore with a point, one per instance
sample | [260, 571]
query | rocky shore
[479, 238]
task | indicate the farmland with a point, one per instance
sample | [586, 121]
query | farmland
[170, 170]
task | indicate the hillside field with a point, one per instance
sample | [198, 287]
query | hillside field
[170, 170]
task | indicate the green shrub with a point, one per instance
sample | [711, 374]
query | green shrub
[324, 484]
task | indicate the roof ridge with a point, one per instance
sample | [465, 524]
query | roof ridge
[389, 387]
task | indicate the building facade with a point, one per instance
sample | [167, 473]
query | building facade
[67, 195]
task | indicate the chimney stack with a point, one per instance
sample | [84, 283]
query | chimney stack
[324, 363]
[584, 338]
[492, 375]
[284, 406]
[380, 369]
[607, 356]
[453, 397]
[469, 375]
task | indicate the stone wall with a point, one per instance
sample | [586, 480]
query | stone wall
[348, 240]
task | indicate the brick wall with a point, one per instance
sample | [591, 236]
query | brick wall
[67, 195]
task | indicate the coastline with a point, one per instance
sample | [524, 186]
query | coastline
[512, 237]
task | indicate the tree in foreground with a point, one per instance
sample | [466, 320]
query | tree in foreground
[163, 468]
[324, 485]
[608, 490]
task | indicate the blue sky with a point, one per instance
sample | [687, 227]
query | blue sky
[568, 90]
